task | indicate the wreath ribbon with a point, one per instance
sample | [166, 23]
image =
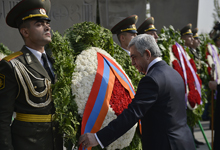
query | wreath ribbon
[191, 69]
[98, 102]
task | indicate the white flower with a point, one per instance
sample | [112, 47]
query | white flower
[214, 61]
[82, 82]
[2, 56]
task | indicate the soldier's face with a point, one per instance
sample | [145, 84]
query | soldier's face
[217, 43]
[188, 40]
[153, 33]
[127, 38]
[196, 43]
[39, 32]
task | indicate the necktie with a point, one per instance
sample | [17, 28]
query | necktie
[47, 68]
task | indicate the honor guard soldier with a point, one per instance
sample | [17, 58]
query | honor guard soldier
[126, 30]
[194, 49]
[196, 42]
[216, 39]
[187, 35]
[148, 27]
[25, 83]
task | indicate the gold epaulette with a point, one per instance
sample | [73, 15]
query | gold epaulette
[12, 56]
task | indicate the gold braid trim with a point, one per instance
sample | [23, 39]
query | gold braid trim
[22, 73]
[33, 117]
[34, 15]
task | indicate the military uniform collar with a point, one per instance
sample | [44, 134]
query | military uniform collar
[126, 51]
[194, 52]
[33, 62]
[36, 53]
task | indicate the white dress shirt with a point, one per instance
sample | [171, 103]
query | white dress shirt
[153, 62]
[126, 51]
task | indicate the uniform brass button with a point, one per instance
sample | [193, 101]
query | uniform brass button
[35, 87]
[54, 128]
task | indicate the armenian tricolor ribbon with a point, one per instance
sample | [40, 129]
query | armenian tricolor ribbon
[98, 102]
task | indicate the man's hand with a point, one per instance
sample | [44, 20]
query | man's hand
[88, 140]
[213, 85]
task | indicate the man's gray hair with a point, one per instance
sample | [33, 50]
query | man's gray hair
[143, 42]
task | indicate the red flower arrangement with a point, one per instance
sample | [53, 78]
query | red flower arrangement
[193, 64]
[175, 52]
[194, 98]
[193, 95]
[120, 98]
[177, 67]
[190, 77]
[191, 86]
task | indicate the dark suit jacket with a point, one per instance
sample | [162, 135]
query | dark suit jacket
[217, 121]
[25, 135]
[160, 104]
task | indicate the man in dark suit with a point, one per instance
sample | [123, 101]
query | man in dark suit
[213, 85]
[159, 103]
[25, 83]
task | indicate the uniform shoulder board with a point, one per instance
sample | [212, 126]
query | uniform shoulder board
[12, 56]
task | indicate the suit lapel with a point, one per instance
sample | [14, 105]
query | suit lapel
[33, 62]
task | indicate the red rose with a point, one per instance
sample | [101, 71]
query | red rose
[206, 54]
[177, 67]
[200, 81]
[198, 97]
[191, 85]
[194, 98]
[120, 98]
[191, 99]
[189, 74]
[193, 64]
[175, 52]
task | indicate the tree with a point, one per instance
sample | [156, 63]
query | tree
[216, 14]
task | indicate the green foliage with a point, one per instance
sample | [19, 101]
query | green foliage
[167, 38]
[4, 49]
[193, 116]
[216, 14]
[88, 34]
[66, 109]
[205, 40]
[205, 77]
